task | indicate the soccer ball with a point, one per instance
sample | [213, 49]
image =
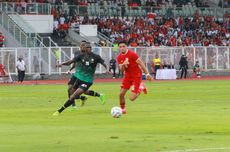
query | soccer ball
[116, 112]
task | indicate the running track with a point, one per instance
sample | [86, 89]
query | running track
[64, 81]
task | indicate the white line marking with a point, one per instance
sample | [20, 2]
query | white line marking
[202, 149]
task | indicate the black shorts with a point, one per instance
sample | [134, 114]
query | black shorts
[72, 80]
[81, 84]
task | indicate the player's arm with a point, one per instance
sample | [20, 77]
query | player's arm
[144, 69]
[105, 66]
[72, 67]
[124, 65]
[121, 67]
[67, 63]
[102, 62]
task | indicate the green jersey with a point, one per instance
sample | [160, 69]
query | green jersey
[86, 66]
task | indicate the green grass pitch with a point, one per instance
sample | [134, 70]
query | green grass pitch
[175, 115]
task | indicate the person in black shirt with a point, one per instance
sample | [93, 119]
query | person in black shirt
[183, 66]
[112, 66]
[196, 69]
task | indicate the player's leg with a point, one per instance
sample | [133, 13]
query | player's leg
[84, 86]
[70, 101]
[83, 98]
[96, 94]
[122, 99]
[114, 72]
[70, 89]
[143, 88]
[185, 73]
[70, 92]
[80, 87]
[23, 76]
[182, 72]
[198, 73]
[125, 86]
[19, 76]
[138, 87]
[72, 86]
[133, 96]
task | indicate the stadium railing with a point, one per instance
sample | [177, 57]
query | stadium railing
[113, 10]
[210, 58]
[23, 32]
[30, 8]
[186, 10]
[18, 33]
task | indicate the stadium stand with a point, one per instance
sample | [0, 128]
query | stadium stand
[158, 31]
[156, 28]
[150, 22]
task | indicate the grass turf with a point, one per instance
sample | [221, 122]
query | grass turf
[174, 115]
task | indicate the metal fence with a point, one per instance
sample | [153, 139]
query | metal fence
[19, 34]
[166, 11]
[25, 8]
[44, 60]
[111, 9]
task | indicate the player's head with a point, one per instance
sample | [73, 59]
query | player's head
[88, 47]
[82, 46]
[122, 47]
[183, 58]
[102, 43]
[20, 58]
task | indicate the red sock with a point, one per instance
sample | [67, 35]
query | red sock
[122, 105]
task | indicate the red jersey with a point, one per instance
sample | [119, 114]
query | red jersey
[2, 38]
[133, 69]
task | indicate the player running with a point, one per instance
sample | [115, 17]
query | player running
[73, 79]
[86, 67]
[132, 66]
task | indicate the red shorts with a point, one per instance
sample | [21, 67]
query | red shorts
[127, 82]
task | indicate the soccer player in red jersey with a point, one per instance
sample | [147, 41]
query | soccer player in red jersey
[132, 66]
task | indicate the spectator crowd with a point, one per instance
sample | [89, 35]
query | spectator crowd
[149, 30]
[160, 31]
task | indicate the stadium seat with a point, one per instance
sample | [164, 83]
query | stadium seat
[175, 12]
[93, 9]
[135, 12]
[126, 11]
[89, 10]
[131, 12]
[101, 12]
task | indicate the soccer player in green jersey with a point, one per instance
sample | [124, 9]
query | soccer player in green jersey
[74, 78]
[85, 69]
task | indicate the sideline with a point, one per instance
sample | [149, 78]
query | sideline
[199, 150]
[101, 80]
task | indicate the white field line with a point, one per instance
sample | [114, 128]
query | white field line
[202, 149]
